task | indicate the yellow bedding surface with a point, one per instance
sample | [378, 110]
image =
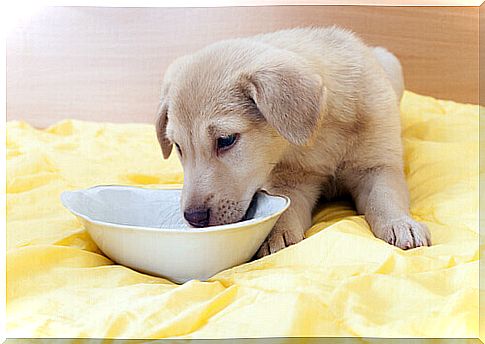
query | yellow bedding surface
[340, 281]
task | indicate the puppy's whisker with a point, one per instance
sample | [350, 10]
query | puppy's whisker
[244, 200]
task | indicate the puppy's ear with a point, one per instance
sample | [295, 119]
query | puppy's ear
[161, 123]
[288, 97]
[161, 127]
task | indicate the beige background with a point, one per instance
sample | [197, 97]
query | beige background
[106, 64]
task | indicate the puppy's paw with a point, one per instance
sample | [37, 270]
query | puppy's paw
[404, 233]
[277, 240]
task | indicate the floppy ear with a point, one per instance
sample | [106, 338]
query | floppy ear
[161, 127]
[288, 97]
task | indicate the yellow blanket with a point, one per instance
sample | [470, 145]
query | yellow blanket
[340, 281]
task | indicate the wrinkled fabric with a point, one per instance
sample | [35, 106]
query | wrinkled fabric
[340, 281]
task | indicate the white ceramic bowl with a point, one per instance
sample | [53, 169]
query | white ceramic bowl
[144, 229]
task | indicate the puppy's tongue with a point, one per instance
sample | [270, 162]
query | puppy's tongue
[251, 209]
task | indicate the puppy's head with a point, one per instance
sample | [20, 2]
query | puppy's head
[231, 113]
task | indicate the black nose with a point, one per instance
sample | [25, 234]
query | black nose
[197, 217]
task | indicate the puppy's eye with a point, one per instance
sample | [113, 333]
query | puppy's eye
[226, 142]
[178, 149]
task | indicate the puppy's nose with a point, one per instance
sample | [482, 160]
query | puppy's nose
[197, 217]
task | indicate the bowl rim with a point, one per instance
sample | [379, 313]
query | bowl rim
[218, 228]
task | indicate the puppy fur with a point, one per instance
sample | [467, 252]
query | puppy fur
[316, 112]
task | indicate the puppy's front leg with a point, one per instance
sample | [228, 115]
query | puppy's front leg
[381, 195]
[291, 226]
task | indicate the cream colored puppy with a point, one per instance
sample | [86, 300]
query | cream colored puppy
[307, 113]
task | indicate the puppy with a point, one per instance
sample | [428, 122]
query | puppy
[307, 113]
